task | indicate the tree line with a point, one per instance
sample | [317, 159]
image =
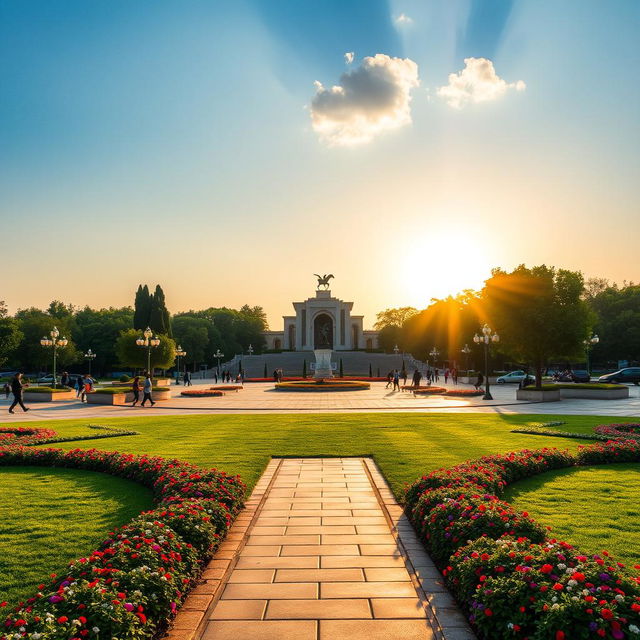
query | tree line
[542, 314]
[111, 334]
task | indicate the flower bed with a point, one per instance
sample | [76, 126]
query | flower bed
[133, 584]
[510, 577]
[31, 436]
[425, 390]
[226, 387]
[622, 431]
[464, 393]
[201, 393]
[334, 384]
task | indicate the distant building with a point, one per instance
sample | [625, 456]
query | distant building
[322, 322]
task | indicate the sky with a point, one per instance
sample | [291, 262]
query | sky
[230, 150]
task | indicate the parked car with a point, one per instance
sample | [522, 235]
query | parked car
[513, 376]
[577, 375]
[627, 375]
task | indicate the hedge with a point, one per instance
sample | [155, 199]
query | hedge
[132, 585]
[510, 577]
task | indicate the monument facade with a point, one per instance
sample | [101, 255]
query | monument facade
[322, 322]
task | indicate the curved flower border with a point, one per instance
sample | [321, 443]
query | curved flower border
[513, 579]
[134, 583]
[32, 436]
[202, 393]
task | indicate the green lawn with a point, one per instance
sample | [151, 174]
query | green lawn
[596, 508]
[51, 516]
[404, 446]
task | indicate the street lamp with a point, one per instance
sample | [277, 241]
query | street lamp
[486, 339]
[434, 353]
[90, 356]
[218, 355]
[148, 342]
[180, 353]
[55, 343]
[466, 350]
[250, 350]
[588, 344]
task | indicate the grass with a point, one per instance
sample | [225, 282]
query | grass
[595, 508]
[62, 514]
[404, 446]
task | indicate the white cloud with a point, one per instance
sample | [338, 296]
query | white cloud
[370, 99]
[403, 19]
[477, 82]
[348, 57]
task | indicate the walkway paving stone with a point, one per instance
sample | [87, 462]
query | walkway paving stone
[327, 555]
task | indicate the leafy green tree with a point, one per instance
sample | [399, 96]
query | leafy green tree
[394, 317]
[130, 354]
[192, 334]
[10, 334]
[617, 323]
[99, 330]
[538, 312]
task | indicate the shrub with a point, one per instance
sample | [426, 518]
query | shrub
[57, 389]
[124, 378]
[132, 585]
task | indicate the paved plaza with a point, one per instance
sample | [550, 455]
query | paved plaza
[261, 398]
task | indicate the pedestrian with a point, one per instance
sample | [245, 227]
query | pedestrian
[396, 380]
[16, 388]
[479, 381]
[403, 375]
[454, 375]
[7, 390]
[135, 387]
[417, 376]
[187, 379]
[146, 390]
[79, 386]
[280, 375]
[436, 374]
[446, 375]
[87, 387]
[275, 375]
[64, 379]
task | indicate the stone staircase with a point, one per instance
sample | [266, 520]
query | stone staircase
[292, 362]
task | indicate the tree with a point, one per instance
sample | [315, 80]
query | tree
[304, 368]
[130, 354]
[159, 316]
[10, 334]
[265, 370]
[98, 330]
[192, 334]
[341, 369]
[393, 317]
[617, 312]
[539, 313]
[35, 324]
[142, 308]
[370, 371]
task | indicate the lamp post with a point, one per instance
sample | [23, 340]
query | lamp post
[218, 354]
[588, 344]
[148, 341]
[55, 343]
[466, 350]
[180, 353]
[250, 350]
[487, 337]
[434, 353]
[90, 356]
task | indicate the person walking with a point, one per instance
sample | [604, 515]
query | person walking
[446, 375]
[79, 385]
[187, 379]
[404, 376]
[436, 374]
[64, 379]
[16, 388]
[396, 380]
[7, 390]
[389, 379]
[146, 390]
[454, 376]
[479, 381]
[135, 387]
[417, 376]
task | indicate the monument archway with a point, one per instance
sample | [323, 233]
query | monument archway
[323, 331]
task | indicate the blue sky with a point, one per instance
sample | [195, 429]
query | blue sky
[173, 142]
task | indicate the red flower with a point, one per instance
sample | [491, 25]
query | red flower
[557, 587]
[62, 619]
[546, 568]
[488, 612]
[560, 635]
[607, 614]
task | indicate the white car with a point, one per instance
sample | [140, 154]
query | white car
[513, 376]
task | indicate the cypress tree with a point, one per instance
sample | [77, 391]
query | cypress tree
[341, 369]
[378, 372]
[370, 371]
[304, 369]
[157, 312]
[142, 312]
[265, 370]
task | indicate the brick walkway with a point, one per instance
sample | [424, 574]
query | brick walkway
[329, 555]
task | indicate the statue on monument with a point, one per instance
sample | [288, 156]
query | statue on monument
[323, 281]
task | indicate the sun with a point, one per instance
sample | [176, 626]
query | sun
[445, 263]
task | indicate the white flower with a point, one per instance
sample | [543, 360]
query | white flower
[573, 583]
[633, 629]
[620, 598]
[555, 606]
[96, 629]
[562, 566]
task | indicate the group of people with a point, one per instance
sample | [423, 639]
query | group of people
[147, 390]
[277, 375]
[226, 376]
[432, 375]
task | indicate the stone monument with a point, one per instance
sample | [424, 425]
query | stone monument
[323, 364]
